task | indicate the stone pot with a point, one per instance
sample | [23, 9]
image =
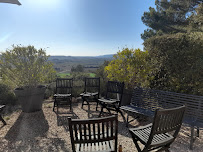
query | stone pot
[30, 99]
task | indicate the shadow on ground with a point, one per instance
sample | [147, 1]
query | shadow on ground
[29, 133]
[33, 145]
[28, 126]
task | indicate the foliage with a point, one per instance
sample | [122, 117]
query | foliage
[103, 77]
[101, 70]
[196, 19]
[92, 75]
[78, 68]
[63, 75]
[168, 17]
[50, 90]
[6, 95]
[133, 67]
[179, 60]
[26, 67]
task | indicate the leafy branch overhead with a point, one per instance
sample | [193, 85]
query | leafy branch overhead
[26, 67]
[170, 16]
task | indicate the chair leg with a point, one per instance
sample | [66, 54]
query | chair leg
[88, 110]
[192, 137]
[127, 121]
[122, 115]
[54, 104]
[102, 108]
[97, 105]
[82, 102]
[108, 110]
[197, 131]
[136, 144]
[70, 104]
[2, 120]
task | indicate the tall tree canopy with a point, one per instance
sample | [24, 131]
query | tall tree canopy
[170, 16]
[174, 40]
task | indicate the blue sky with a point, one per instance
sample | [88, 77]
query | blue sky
[74, 27]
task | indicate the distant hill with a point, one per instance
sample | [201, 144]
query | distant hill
[105, 56]
[65, 63]
[108, 56]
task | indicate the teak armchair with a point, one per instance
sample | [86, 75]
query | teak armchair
[91, 91]
[99, 134]
[163, 131]
[63, 94]
[112, 101]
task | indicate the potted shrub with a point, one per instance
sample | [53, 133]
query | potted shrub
[27, 69]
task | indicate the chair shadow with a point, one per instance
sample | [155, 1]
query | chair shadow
[139, 121]
[28, 126]
[62, 119]
[50, 144]
[27, 132]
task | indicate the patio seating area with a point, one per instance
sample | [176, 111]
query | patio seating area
[49, 131]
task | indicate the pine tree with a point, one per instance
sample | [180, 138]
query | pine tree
[170, 16]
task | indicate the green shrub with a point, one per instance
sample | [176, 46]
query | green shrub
[26, 67]
[50, 90]
[179, 62]
[6, 95]
[100, 72]
[131, 66]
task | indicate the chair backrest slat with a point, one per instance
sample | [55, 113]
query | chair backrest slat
[64, 85]
[93, 130]
[92, 85]
[89, 132]
[115, 90]
[168, 120]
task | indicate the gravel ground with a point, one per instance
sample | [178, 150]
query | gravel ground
[47, 131]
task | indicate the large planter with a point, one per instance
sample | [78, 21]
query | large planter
[30, 99]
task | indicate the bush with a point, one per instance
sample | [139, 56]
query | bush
[100, 72]
[179, 62]
[6, 95]
[78, 82]
[131, 66]
[50, 90]
[26, 67]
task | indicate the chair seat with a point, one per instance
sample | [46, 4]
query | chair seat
[62, 95]
[143, 133]
[89, 94]
[2, 106]
[106, 146]
[108, 101]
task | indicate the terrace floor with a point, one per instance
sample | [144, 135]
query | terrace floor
[47, 131]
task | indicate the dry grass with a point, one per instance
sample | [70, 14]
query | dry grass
[47, 131]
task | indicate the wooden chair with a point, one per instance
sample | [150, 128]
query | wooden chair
[163, 131]
[63, 94]
[113, 98]
[91, 92]
[99, 134]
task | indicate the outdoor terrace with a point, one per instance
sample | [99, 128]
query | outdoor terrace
[48, 131]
